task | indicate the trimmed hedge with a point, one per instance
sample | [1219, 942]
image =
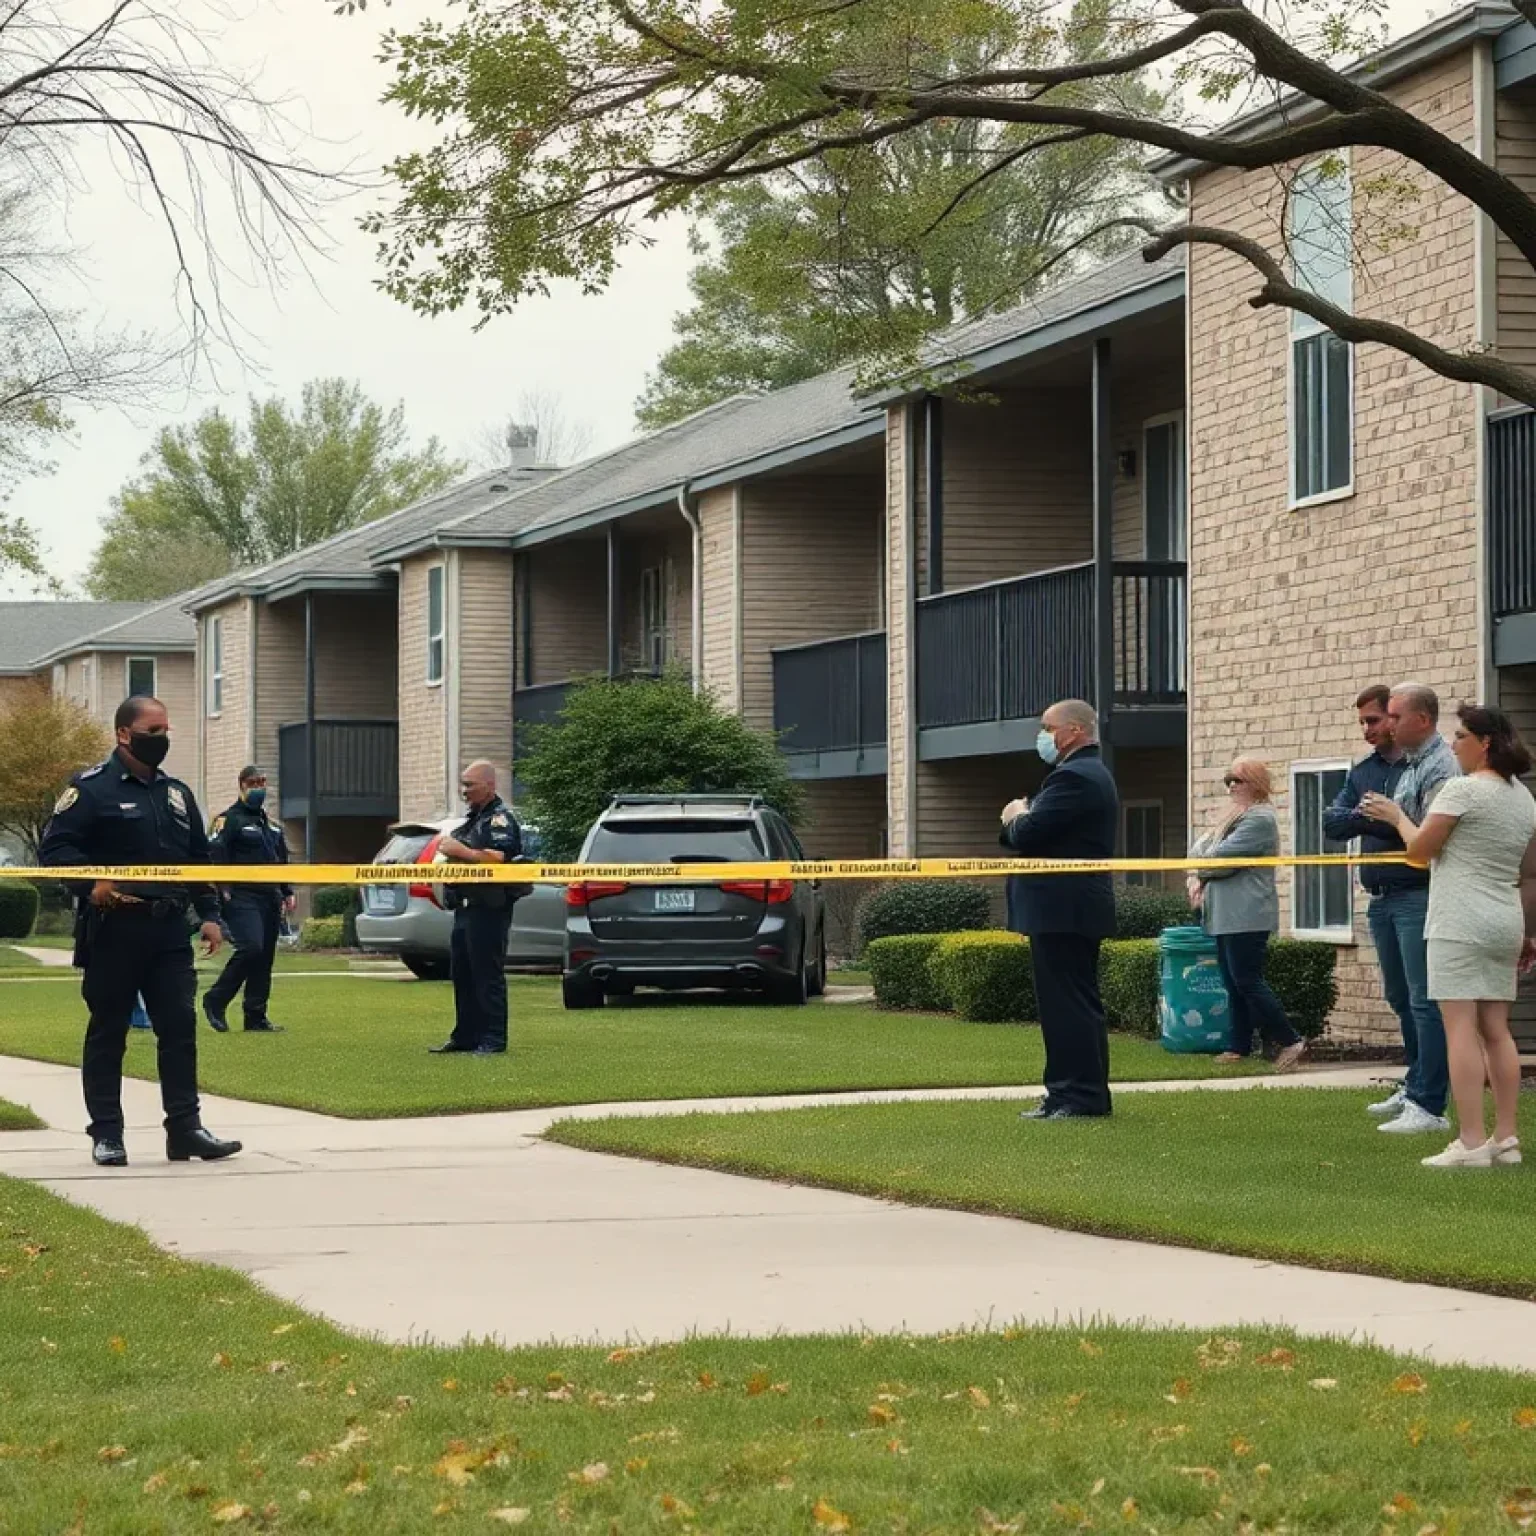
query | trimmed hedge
[1128, 983]
[987, 977]
[901, 973]
[323, 933]
[923, 907]
[334, 901]
[19, 903]
[1142, 911]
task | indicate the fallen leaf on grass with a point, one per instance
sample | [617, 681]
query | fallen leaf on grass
[445, 1507]
[456, 1466]
[673, 1506]
[155, 1484]
[594, 1472]
[995, 1527]
[979, 1399]
[1263, 1469]
[356, 1486]
[118, 1345]
[276, 1367]
[450, 1385]
[353, 1438]
[510, 1515]
[34, 1250]
[1215, 1354]
[1130, 1510]
[229, 1512]
[1410, 1384]
[1207, 1475]
[829, 1518]
[1088, 1347]
[112, 1453]
[1241, 1447]
[1076, 1401]
[1322, 1383]
[636, 1465]
[1179, 1392]
[1166, 1432]
[221, 1361]
[1416, 1433]
[1285, 1359]
[283, 1328]
[880, 1413]
[1398, 1504]
[1525, 1418]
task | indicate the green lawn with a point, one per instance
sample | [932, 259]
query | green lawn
[14, 1117]
[144, 1394]
[15, 966]
[358, 1047]
[1300, 1175]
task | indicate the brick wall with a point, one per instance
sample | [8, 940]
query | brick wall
[226, 743]
[900, 538]
[720, 641]
[356, 656]
[485, 673]
[422, 706]
[1292, 611]
[568, 608]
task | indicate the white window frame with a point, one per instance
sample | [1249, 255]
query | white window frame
[1149, 879]
[437, 640]
[655, 616]
[1341, 936]
[1301, 328]
[215, 667]
[1167, 419]
[152, 663]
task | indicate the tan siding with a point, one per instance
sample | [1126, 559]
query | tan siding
[1517, 696]
[1137, 398]
[356, 657]
[176, 684]
[1159, 775]
[13, 689]
[279, 681]
[568, 585]
[901, 813]
[226, 743]
[423, 714]
[1283, 627]
[717, 518]
[485, 641]
[810, 570]
[1515, 155]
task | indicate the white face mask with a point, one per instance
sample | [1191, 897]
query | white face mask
[1045, 745]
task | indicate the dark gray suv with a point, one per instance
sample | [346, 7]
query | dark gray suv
[763, 935]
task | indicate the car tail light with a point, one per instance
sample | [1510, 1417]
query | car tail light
[420, 888]
[774, 892]
[585, 892]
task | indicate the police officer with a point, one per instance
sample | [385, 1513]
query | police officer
[245, 834]
[482, 918]
[132, 938]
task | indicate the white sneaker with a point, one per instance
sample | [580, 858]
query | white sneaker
[1414, 1120]
[1506, 1154]
[1391, 1106]
[1458, 1156]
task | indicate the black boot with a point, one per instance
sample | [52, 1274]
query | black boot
[109, 1152]
[183, 1146]
[215, 1017]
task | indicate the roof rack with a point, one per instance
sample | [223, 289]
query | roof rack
[749, 802]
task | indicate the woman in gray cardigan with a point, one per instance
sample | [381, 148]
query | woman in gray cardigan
[1241, 909]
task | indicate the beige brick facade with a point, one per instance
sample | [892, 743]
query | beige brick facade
[1292, 611]
[900, 556]
[721, 642]
[227, 733]
[423, 711]
[484, 638]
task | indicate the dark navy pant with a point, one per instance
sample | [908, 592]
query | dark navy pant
[253, 923]
[1253, 1003]
[479, 956]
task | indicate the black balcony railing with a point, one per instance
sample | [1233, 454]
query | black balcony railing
[357, 769]
[1512, 513]
[1151, 622]
[830, 696]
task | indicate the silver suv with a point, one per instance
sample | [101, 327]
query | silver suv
[766, 935]
[411, 922]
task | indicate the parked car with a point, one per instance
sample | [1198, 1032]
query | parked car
[412, 922]
[764, 935]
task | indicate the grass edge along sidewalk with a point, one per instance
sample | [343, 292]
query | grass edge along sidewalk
[17, 1117]
[146, 1392]
[1300, 1177]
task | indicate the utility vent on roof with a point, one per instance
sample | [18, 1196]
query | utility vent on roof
[498, 486]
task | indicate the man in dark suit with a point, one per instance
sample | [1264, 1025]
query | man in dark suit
[1076, 815]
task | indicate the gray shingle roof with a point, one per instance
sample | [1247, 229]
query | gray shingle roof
[162, 626]
[31, 631]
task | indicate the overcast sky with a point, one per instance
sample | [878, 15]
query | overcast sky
[592, 352]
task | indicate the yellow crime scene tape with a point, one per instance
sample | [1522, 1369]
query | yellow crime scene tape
[664, 874]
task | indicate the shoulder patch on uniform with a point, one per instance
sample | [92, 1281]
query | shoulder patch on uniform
[499, 819]
[65, 800]
[90, 773]
[175, 798]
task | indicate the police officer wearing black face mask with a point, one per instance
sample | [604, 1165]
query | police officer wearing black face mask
[482, 918]
[132, 938]
[245, 834]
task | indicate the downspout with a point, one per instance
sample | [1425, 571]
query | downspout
[909, 628]
[688, 505]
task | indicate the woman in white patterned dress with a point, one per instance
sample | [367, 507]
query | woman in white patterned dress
[1480, 839]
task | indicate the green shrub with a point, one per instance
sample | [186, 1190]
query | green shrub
[986, 977]
[323, 933]
[1128, 983]
[1301, 971]
[18, 908]
[334, 901]
[902, 976]
[1143, 911]
[923, 906]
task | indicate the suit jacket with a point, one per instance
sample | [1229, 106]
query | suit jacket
[1076, 815]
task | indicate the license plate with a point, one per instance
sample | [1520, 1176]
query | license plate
[674, 901]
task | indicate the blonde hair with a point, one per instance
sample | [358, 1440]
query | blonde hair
[1254, 772]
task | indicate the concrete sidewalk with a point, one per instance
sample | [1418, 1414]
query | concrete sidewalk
[471, 1225]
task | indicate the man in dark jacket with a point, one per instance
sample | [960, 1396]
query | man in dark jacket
[246, 834]
[1076, 815]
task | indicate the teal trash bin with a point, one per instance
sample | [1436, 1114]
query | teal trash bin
[1192, 1001]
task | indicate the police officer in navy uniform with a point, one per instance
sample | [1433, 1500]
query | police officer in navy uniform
[245, 834]
[482, 918]
[132, 938]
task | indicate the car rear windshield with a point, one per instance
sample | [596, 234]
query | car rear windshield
[404, 848]
[682, 840]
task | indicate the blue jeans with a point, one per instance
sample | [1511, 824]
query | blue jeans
[1397, 929]
[139, 1018]
[1253, 1004]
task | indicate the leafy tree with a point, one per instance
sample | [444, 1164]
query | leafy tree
[218, 495]
[43, 741]
[643, 737]
[564, 125]
[541, 422]
[862, 253]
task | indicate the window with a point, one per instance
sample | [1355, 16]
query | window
[436, 624]
[1163, 500]
[215, 666]
[1143, 839]
[1322, 366]
[1322, 903]
[655, 638]
[141, 677]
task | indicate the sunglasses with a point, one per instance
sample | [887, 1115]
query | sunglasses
[1231, 779]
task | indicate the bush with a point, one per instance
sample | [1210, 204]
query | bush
[647, 736]
[987, 977]
[18, 908]
[1143, 911]
[1128, 983]
[902, 975]
[334, 901]
[923, 906]
[323, 933]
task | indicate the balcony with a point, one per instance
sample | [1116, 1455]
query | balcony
[991, 659]
[535, 706]
[829, 706]
[356, 769]
[1511, 535]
